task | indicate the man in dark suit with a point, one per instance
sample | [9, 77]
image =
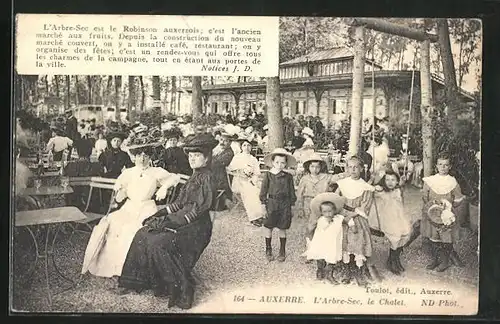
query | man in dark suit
[71, 129]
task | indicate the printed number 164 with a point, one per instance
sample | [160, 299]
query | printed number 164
[238, 298]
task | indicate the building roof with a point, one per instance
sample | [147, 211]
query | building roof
[331, 81]
[332, 54]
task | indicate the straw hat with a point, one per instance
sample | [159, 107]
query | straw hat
[335, 199]
[291, 162]
[434, 212]
[315, 157]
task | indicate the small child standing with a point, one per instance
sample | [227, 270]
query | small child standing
[277, 194]
[326, 244]
[387, 215]
[316, 180]
[357, 240]
[437, 188]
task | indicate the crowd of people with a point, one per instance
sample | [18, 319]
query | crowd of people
[146, 246]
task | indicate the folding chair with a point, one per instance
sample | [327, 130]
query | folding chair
[79, 182]
[237, 197]
[99, 183]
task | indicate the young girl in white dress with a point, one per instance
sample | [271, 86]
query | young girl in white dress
[326, 244]
[138, 185]
[245, 169]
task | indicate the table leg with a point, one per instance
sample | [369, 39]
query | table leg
[53, 255]
[37, 252]
[47, 265]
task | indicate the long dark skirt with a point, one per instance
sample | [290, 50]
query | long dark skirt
[163, 261]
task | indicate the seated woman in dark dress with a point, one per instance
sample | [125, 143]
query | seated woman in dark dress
[164, 252]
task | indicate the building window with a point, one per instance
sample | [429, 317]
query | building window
[226, 107]
[300, 107]
[215, 108]
[340, 106]
[348, 67]
[333, 106]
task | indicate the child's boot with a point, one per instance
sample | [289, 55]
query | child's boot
[329, 274]
[346, 273]
[282, 256]
[455, 259]
[397, 259]
[269, 250]
[444, 255]
[391, 262]
[320, 272]
[374, 273]
[434, 249]
[358, 275]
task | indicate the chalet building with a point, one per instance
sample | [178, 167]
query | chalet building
[320, 83]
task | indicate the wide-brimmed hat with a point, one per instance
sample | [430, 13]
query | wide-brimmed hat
[231, 131]
[291, 162]
[200, 142]
[315, 157]
[147, 148]
[120, 135]
[245, 137]
[335, 199]
[172, 133]
[434, 212]
[308, 131]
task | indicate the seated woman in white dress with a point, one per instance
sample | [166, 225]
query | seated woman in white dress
[245, 169]
[138, 185]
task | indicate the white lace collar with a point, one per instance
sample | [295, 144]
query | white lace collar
[352, 189]
[441, 184]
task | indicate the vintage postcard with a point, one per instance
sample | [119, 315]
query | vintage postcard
[246, 165]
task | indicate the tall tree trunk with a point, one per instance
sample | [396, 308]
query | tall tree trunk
[358, 79]
[450, 78]
[173, 94]
[179, 95]
[156, 92]
[143, 92]
[56, 81]
[460, 74]
[118, 87]
[196, 99]
[89, 83]
[77, 91]
[131, 98]
[68, 92]
[107, 93]
[426, 107]
[274, 113]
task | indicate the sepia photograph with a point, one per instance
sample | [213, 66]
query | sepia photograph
[344, 181]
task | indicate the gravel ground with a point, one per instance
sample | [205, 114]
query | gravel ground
[234, 263]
